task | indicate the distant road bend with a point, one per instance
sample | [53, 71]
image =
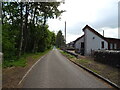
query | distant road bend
[55, 71]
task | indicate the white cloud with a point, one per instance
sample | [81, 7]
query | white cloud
[56, 25]
[71, 37]
[97, 13]
[109, 32]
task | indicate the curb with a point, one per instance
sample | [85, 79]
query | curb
[97, 75]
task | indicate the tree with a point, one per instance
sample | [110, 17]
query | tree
[60, 41]
[25, 29]
[21, 31]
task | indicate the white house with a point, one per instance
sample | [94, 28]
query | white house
[70, 45]
[92, 40]
[79, 44]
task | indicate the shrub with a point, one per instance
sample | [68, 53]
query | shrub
[107, 57]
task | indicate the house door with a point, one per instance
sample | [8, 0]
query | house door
[82, 44]
[82, 48]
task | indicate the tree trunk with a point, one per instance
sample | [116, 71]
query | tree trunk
[44, 22]
[26, 29]
[3, 13]
[21, 36]
[34, 42]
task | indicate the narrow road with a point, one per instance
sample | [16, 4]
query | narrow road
[55, 71]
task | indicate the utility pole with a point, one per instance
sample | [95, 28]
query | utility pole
[65, 35]
[118, 33]
[65, 32]
[103, 33]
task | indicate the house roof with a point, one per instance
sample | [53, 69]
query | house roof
[98, 34]
[78, 38]
[71, 42]
[95, 32]
[113, 40]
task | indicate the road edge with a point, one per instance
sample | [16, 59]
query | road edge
[95, 74]
[25, 75]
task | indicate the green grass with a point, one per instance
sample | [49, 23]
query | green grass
[80, 61]
[83, 61]
[22, 61]
[95, 71]
[77, 60]
[58, 48]
[67, 55]
[37, 55]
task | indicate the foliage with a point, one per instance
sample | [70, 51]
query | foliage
[25, 29]
[20, 62]
[8, 42]
[60, 41]
[23, 60]
[67, 54]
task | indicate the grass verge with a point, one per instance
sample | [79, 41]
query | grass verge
[22, 61]
[14, 71]
[104, 70]
[66, 54]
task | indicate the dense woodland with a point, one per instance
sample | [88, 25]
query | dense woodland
[25, 29]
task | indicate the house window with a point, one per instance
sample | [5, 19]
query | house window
[102, 44]
[115, 46]
[111, 46]
[82, 44]
[93, 37]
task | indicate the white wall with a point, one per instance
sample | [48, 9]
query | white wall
[93, 44]
[119, 33]
[78, 43]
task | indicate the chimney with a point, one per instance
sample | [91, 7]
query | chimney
[103, 33]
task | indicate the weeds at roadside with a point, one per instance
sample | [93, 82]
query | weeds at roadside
[22, 61]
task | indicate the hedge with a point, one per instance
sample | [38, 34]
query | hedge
[107, 57]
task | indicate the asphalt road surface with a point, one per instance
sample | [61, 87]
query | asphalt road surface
[55, 71]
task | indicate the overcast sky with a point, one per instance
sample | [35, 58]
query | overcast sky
[99, 14]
